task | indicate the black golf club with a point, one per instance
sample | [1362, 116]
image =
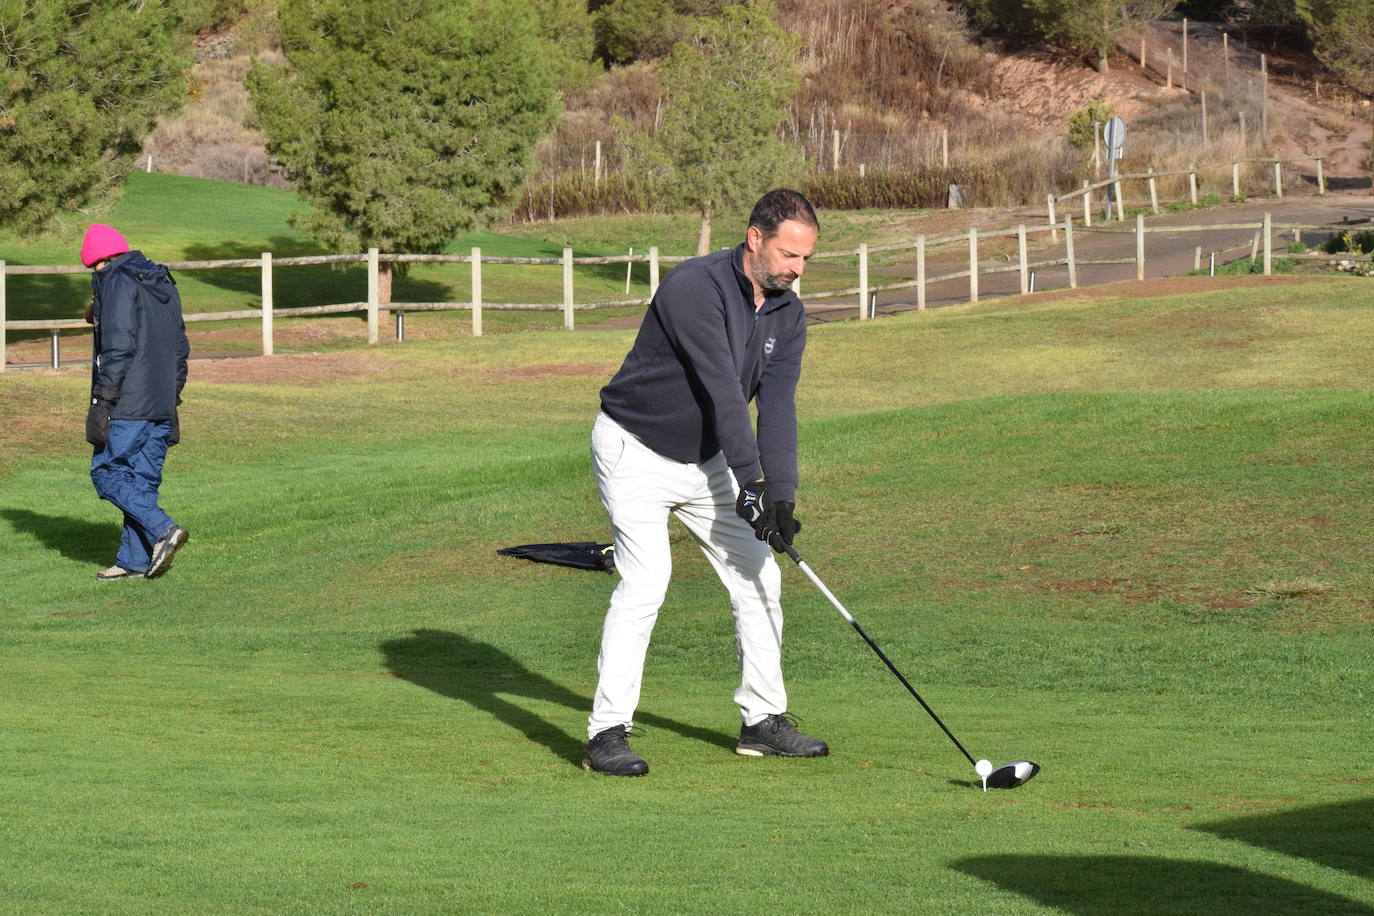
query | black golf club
[1007, 776]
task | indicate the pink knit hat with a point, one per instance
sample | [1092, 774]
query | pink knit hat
[101, 242]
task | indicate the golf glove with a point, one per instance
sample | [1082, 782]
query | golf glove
[755, 506]
[787, 525]
[98, 422]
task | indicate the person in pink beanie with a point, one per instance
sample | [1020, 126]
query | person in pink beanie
[138, 369]
[101, 242]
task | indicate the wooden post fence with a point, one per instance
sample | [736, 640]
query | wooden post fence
[653, 271]
[1154, 193]
[1192, 183]
[476, 264]
[920, 273]
[1068, 251]
[1235, 178]
[3, 336]
[973, 264]
[863, 281]
[567, 289]
[1140, 246]
[1054, 233]
[1278, 179]
[372, 276]
[267, 305]
[1268, 243]
[1021, 254]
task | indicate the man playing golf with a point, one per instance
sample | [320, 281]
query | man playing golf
[137, 373]
[675, 436]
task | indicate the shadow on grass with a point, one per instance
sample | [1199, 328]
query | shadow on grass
[76, 539]
[37, 297]
[484, 676]
[1339, 835]
[1102, 885]
[313, 284]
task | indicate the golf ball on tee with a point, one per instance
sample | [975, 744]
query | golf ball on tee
[983, 768]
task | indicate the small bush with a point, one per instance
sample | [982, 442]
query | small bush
[1086, 122]
[1353, 242]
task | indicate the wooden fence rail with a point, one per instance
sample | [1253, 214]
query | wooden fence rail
[1264, 233]
[1151, 177]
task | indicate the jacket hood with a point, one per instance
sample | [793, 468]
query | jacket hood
[155, 278]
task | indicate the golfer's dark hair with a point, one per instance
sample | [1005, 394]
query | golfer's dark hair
[778, 205]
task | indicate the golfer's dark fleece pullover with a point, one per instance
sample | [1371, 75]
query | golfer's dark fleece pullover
[702, 354]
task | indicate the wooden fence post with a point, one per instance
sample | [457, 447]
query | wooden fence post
[1087, 203]
[1197, 258]
[1021, 255]
[920, 273]
[1192, 183]
[973, 264]
[1268, 244]
[1154, 193]
[653, 270]
[944, 147]
[1321, 178]
[1054, 224]
[1068, 251]
[863, 281]
[1204, 119]
[1235, 177]
[267, 304]
[567, 289]
[1140, 246]
[372, 268]
[4, 337]
[596, 166]
[476, 263]
[1120, 202]
[1278, 178]
[835, 150]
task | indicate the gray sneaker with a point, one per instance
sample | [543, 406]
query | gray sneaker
[609, 752]
[165, 549]
[777, 736]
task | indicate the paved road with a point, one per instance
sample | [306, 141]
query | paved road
[1166, 254]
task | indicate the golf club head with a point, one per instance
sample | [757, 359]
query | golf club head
[1010, 775]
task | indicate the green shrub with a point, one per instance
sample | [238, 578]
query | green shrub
[1087, 121]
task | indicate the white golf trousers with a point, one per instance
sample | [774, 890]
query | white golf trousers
[640, 488]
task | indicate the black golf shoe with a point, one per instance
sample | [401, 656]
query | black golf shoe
[776, 736]
[609, 752]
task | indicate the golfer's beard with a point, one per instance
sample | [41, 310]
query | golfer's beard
[772, 282]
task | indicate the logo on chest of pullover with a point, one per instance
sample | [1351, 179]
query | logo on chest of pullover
[768, 344]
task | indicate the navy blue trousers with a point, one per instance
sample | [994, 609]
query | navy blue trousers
[128, 472]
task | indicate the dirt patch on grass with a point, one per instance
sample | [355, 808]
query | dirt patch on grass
[289, 369]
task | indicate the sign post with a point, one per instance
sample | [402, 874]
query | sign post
[1114, 133]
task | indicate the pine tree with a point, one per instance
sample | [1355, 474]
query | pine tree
[725, 95]
[405, 122]
[83, 84]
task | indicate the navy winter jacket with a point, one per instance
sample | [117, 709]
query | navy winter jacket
[702, 354]
[140, 345]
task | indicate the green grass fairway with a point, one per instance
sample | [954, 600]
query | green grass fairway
[1129, 540]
